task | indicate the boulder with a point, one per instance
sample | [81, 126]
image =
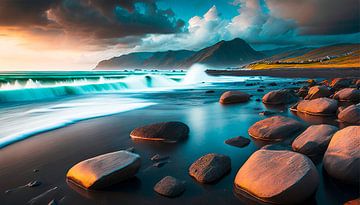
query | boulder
[317, 92]
[319, 106]
[348, 95]
[353, 202]
[104, 170]
[231, 97]
[164, 131]
[314, 140]
[210, 168]
[279, 177]
[278, 97]
[342, 157]
[238, 141]
[275, 128]
[350, 115]
[170, 187]
[338, 83]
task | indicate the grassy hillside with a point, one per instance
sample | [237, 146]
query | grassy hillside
[334, 56]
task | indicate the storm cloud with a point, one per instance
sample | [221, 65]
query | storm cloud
[93, 18]
[319, 17]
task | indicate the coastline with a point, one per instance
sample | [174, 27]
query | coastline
[54, 152]
[292, 72]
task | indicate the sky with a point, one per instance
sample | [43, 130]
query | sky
[76, 34]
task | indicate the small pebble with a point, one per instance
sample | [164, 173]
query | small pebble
[34, 184]
[158, 157]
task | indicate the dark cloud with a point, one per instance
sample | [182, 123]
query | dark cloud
[318, 17]
[98, 19]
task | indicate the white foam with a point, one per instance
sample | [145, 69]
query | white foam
[21, 122]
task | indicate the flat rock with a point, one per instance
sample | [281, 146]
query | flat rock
[348, 95]
[342, 157]
[170, 187]
[164, 131]
[210, 168]
[104, 170]
[280, 177]
[275, 128]
[350, 115]
[238, 141]
[319, 106]
[231, 97]
[278, 97]
[317, 92]
[314, 140]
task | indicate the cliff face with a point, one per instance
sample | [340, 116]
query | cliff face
[222, 54]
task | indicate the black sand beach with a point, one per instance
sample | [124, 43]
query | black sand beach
[54, 152]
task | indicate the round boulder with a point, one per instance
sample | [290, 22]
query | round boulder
[164, 131]
[314, 140]
[319, 106]
[104, 170]
[210, 168]
[339, 83]
[350, 114]
[317, 92]
[275, 128]
[278, 97]
[280, 177]
[170, 187]
[348, 95]
[231, 97]
[342, 157]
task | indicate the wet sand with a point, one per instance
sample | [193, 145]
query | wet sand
[293, 73]
[54, 152]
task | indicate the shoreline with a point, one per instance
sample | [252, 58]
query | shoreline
[54, 152]
[292, 72]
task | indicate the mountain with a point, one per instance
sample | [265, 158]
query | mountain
[332, 56]
[232, 53]
[146, 60]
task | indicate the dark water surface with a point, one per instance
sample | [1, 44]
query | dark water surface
[54, 152]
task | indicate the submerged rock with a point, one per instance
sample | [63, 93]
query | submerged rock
[348, 95]
[238, 141]
[314, 140]
[280, 177]
[319, 106]
[317, 92]
[210, 168]
[350, 114]
[278, 97]
[104, 170]
[170, 187]
[231, 97]
[164, 131]
[275, 128]
[342, 157]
